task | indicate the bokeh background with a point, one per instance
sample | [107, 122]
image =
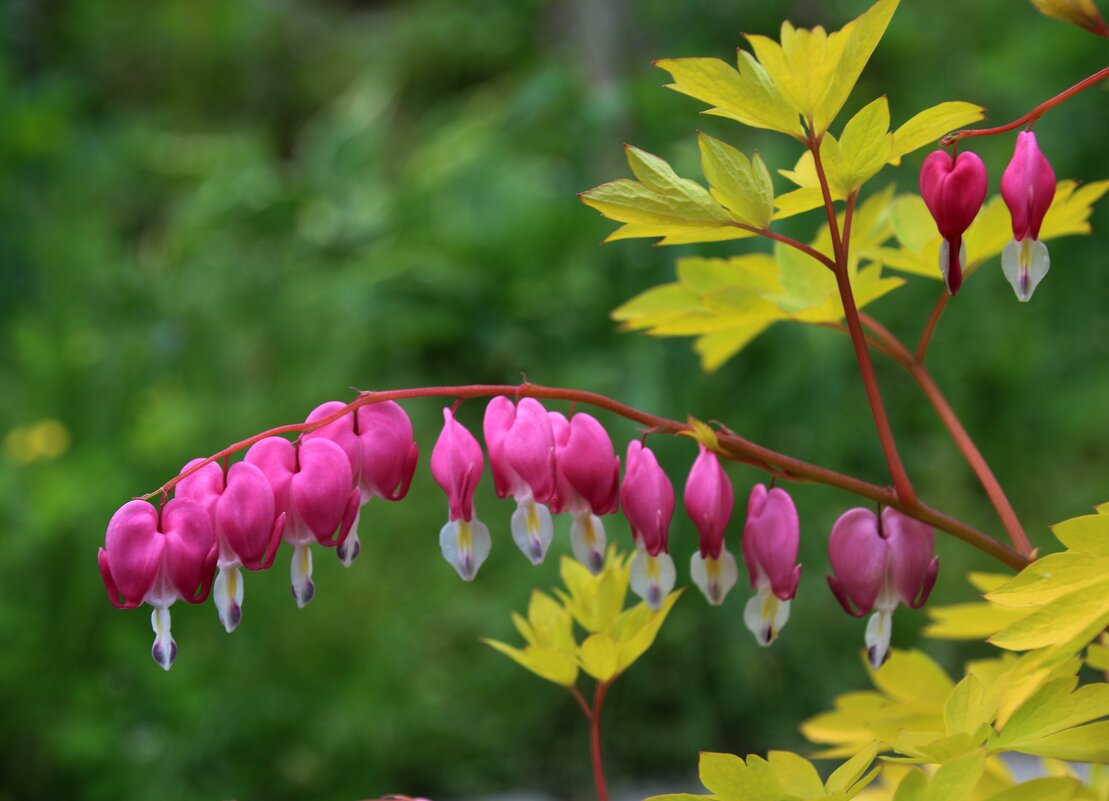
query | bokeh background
[216, 215]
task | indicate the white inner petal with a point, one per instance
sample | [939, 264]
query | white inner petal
[652, 577]
[301, 572]
[878, 631]
[587, 540]
[765, 615]
[532, 529]
[227, 592]
[465, 546]
[1025, 264]
[348, 550]
[164, 650]
[714, 577]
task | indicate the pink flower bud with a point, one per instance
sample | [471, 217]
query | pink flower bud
[647, 497]
[312, 485]
[588, 473]
[522, 457]
[953, 189]
[771, 536]
[878, 562]
[158, 557]
[377, 440]
[709, 501]
[457, 464]
[1028, 187]
[241, 508]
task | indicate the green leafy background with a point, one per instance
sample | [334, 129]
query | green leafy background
[214, 216]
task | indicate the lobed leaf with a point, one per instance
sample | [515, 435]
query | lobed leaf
[743, 186]
[932, 124]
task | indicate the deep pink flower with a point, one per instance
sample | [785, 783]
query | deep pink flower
[457, 464]
[709, 501]
[248, 532]
[647, 497]
[588, 486]
[878, 562]
[1028, 187]
[158, 556]
[378, 442]
[771, 537]
[953, 189]
[312, 486]
[522, 458]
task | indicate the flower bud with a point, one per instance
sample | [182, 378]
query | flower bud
[457, 464]
[157, 557]
[647, 497]
[522, 458]
[953, 189]
[878, 562]
[1028, 187]
[312, 486]
[248, 532]
[377, 440]
[588, 483]
[771, 537]
[709, 500]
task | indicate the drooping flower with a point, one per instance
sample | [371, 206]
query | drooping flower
[522, 458]
[709, 501]
[771, 537]
[457, 464]
[248, 532]
[877, 563]
[312, 487]
[378, 442]
[647, 497]
[953, 189]
[1028, 187]
[157, 556]
[588, 472]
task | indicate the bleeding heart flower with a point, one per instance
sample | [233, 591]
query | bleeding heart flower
[312, 486]
[158, 556]
[1028, 187]
[647, 497]
[588, 486]
[709, 500]
[771, 537]
[878, 562]
[522, 457]
[241, 508]
[457, 464]
[953, 189]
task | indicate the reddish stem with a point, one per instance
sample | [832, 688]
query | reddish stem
[930, 326]
[595, 741]
[1032, 115]
[788, 240]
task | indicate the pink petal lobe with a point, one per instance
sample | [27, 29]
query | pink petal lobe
[389, 453]
[340, 431]
[588, 462]
[500, 414]
[456, 465]
[529, 448]
[245, 513]
[134, 549]
[647, 497]
[912, 546]
[190, 547]
[709, 501]
[858, 555]
[771, 537]
[321, 487]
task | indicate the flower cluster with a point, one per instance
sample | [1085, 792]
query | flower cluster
[311, 492]
[954, 188]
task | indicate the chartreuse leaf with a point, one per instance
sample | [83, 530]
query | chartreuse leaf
[595, 601]
[955, 780]
[796, 774]
[1045, 789]
[548, 632]
[851, 773]
[746, 95]
[598, 656]
[729, 778]
[743, 186]
[968, 707]
[1060, 717]
[1097, 657]
[634, 631]
[862, 150]
[1082, 13]
[660, 204]
[547, 663]
[969, 621]
[931, 124]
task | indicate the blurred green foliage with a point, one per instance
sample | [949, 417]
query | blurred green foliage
[214, 216]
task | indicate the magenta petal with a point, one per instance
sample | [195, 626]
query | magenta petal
[755, 503]
[203, 486]
[389, 453]
[709, 501]
[1028, 186]
[340, 431]
[912, 545]
[277, 459]
[647, 498]
[773, 537]
[321, 487]
[953, 190]
[500, 414]
[529, 449]
[190, 542]
[245, 514]
[134, 549]
[858, 555]
[588, 462]
[456, 465]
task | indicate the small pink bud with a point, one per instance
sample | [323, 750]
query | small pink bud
[647, 497]
[522, 458]
[878, 562]
[241, 507]
[157, 557]
[588, 486]
[1028, 187]
[457, 464]
[709, 501]
[312, 485]
[953, 190]
[771, 537]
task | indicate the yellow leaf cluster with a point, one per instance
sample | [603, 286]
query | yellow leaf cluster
[616, 637]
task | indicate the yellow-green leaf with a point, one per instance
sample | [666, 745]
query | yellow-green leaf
[746, 95]
[1097, 657]
[635, 630]
[1082, 13]
[847, 774]
[913, 787]
[931, 124]
[1088, 743]
[1059, 621]
[1049, 578]
[598, 656]
[967, 708]
[547, 663]
[955, 780]
[1044, 789]
[1057, 706]
[796, 774]
[1088, 534]
[730, 779]
[862, 150]
[741, 185]
[912, 675]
